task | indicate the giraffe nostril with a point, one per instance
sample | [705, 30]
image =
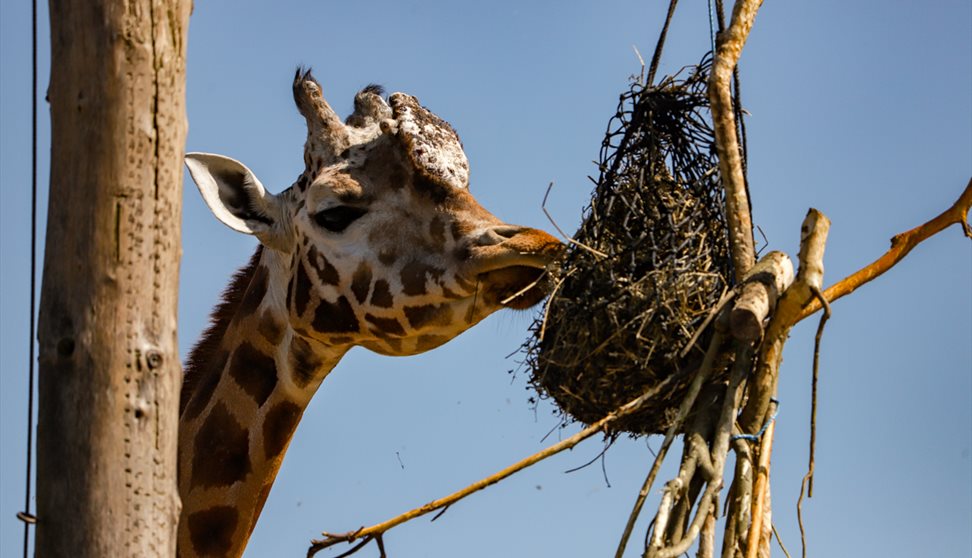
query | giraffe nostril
[498, 234]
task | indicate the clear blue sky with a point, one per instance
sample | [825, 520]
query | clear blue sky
[861, 109]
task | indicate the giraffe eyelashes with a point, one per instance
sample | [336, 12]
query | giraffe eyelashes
[336, 219]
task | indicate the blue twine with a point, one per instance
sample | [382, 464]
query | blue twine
[755, 437]
[712, 27]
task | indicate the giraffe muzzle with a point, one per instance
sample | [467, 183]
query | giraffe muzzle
[513, 263]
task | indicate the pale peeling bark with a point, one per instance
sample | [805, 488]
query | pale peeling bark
[109, 361]
[813, 240]
[763, 285]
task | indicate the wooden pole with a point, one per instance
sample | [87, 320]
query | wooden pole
[109, 363]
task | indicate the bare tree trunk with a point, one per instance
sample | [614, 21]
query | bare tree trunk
[109, 364]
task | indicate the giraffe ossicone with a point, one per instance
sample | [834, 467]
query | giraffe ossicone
[379, 243]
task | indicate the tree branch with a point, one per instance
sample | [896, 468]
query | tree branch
[374, 532]
[760, 491]
[813, 238]
[727, 54]
[701, 376]
[764, 284]
[901, 245]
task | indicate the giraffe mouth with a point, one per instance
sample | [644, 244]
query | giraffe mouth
[518, 287]
[514, 272]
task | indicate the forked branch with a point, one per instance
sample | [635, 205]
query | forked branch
[901, 245]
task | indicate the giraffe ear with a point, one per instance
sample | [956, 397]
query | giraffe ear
[235, 195]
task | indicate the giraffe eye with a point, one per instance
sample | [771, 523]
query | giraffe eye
[336, 219]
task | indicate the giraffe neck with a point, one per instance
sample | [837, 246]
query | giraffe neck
[247, 384]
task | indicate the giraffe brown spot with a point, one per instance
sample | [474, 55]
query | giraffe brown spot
[381, 295]
[254, 293]
[465, 285]
[303, 362]
[434, 189]
[290, 288]
[387, 257]
[447, 293]
[456, 230]
[387, 326]
[427, 342]
[211, 531]
[254, 371]
[326, 272]
[301, 286]
[414, 275]
[437, 233]
[221, 451]
[397, 177]
[361, 281]
[428, 315]
[394, 344]
[204, 389]
[335, 317]
[270, 328]
[278, 426]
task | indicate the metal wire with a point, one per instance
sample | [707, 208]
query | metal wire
[26, 516]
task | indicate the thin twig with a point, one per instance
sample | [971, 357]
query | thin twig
[803, 535]
[550, 299]
[596, 457]
[727, 295]
[440, 514]
[901, 245]
[816, 373]
[550, 218]
[629, 408]
[779, 540]
[525, 289]
[656, 57]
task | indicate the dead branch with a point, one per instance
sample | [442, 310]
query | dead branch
[901, 245]
[747, 519]
[727, 54]
[703, 374]
[813, 238]
[717, 457]
[374, 532]
[760, 493]
[763, 285]
[813, 396]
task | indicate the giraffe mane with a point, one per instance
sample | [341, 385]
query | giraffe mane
[219, 320]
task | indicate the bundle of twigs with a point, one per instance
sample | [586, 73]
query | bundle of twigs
[648, 265]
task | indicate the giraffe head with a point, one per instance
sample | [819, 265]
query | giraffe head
[381, 243]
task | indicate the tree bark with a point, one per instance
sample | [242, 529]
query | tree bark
[109, 364]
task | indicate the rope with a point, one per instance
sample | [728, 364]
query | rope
[25, 515]
[755, 437]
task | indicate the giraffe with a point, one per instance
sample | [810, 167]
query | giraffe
[379, 244]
